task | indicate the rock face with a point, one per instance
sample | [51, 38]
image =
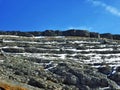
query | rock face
[116, 37]
[82, 76]
[36, 83]
[115, 77]
[94, 35]
[13, 50]
[106, 35]
[59, 33]
[60, 63]
[49, 33]
[35, 33]
[105, 70]
[71, 32]
[82, 33]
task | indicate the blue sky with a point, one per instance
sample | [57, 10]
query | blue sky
[94, 15]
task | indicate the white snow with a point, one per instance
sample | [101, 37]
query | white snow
[85, 42]
[94, 58]
[1, 61]
[39, 37]
[62, 56]
[8, 36]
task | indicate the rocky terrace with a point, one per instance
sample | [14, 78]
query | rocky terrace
[60, 63]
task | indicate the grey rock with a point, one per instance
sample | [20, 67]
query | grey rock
[106, 35]
[71, 79]
[36, 83]
[115, 77]
[94, 35]
[105, 70]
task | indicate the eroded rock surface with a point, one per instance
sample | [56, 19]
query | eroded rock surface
[60, 63]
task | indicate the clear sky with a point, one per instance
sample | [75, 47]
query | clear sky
[94, 15]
